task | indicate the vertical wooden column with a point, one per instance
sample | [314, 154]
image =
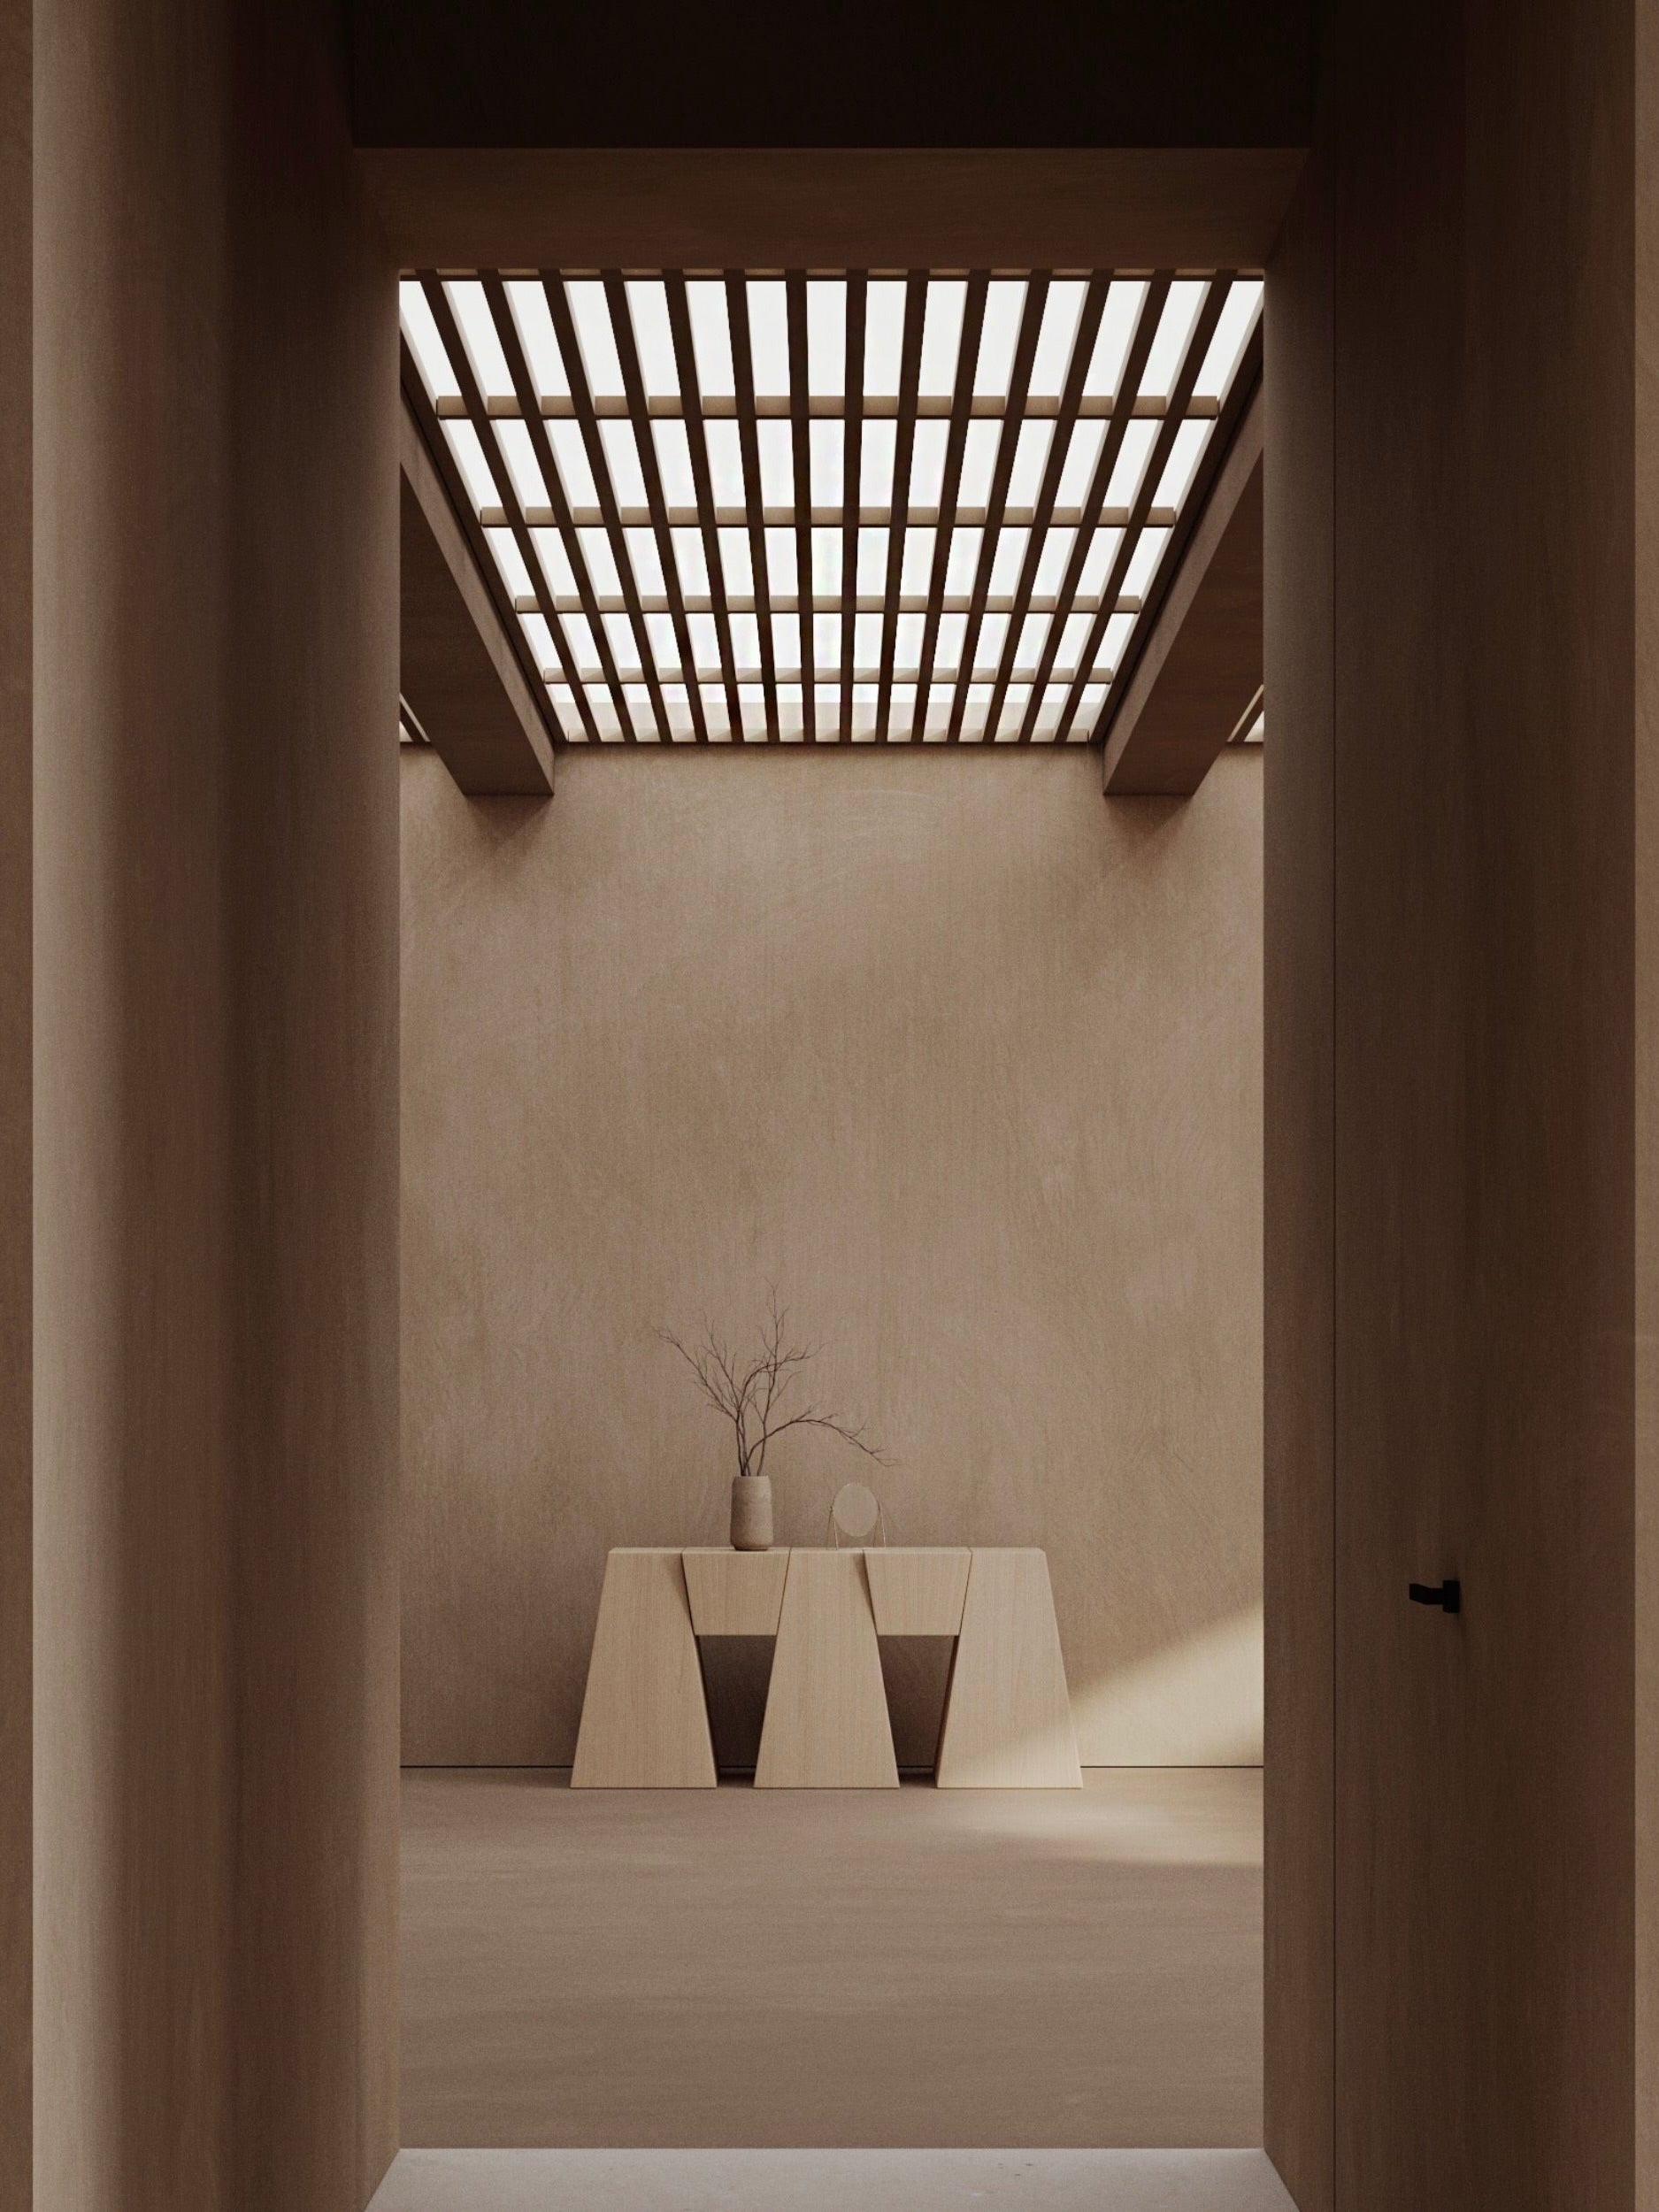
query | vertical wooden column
[826, 1723]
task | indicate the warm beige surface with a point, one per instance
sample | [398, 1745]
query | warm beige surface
[644, 1724]
[16, 1674]
[909, 1966]
[832, 2181]
[1008, 1718]
[916, 1593]
[826, 1725]
[963, 1059]
[216, 1115]
[1647, 1086]
[735, 1592]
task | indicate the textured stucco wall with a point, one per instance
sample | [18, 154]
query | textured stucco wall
[963, 1059]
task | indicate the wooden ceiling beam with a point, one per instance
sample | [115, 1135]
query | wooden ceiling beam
[1201, 664]
[458, 667]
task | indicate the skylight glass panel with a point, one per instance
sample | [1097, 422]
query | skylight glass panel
[1090, 701]
[673, 464]
[791, 713]
[916, 572]
[1010, 554]
[1036, 435]
[987, 651]
[1056, 551]
[826, 337]
[781, 564]
[1110, 656]
[1004, 304]
[902, 711]
[936, 715]
[745, 644]
[941, 336]
[579, 637]
[927, 463]
[1051, 707]
[622, 458]
[977, 705]
[979, 464]
[1125, 300]
[1180, 469]
[1015, 701]
[705, 643]
[884, 339]
[867, 643]
[907, 633]
[725, 464]
[595, 341]
[963, 563]
[513, 438]
[716, 713]
[786, 645]
[600, 562]
[1033, 635]
[533, 319]
[568, 713]
[711, 339]
[827, 642]
[1073, 642]
[826, 451]
[420, 329]
[646, 559]
[777, 463]
[677, 705]
[736, 564]
[1098, 564]
[540, 641]
[873, 563]
[477, 326]
[953, 630]
[1056, 338]
[1237, 321]
[464, 444]
[829, 708]
[625, 647]
[511, 562]
[570, 458]
[862, 718]
[659, 631]
[1082, 455]
[875, 480]
[1131, 465]
[1169, 347]
[692, 561]
[607, 721]
[653, 336]
[1143, 563]
[769, 337]
[751, 701]
[826, 563]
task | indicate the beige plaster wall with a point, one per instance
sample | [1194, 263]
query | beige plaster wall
[966, 1062]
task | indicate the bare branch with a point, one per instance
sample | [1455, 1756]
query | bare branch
[752, 1400]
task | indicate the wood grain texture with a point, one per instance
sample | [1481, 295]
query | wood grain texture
[1086, 207]
[1007, 1717]
[984, 991]
[17, 883]
[644, 1723]
[735, 1592]
[916, 1591]
[216, 1216]
[456, 666]
[1646, 135]
[1201, 665]
[826, 1725]
[1299, 1225]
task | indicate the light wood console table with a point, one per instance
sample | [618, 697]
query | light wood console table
[1008, 1715]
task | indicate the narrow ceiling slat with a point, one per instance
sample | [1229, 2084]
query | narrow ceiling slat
[1169, 429]
[582, 400]
[852, 480]
[691, 395]
[743, 377]
[634, 383]
[1019, 382]
[517, 370]
[800, 444]
[961, 413]
[909, 377]
[1094, 504]
[448, 331]
[1070, 399]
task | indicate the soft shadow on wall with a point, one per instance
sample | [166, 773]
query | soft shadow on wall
[965, 1060]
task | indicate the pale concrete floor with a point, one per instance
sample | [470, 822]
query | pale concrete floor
[832, 2181]
[1001, 1970]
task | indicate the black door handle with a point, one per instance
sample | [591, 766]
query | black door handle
[1448, 1596]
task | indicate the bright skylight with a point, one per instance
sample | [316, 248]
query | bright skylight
[708, 529]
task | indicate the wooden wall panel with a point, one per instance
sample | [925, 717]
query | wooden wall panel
[17, 331]
[1298, 1224]
[215, 974]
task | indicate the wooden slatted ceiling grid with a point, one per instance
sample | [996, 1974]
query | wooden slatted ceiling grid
[796, 508]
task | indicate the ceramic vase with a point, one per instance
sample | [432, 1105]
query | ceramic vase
[752, 1513]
